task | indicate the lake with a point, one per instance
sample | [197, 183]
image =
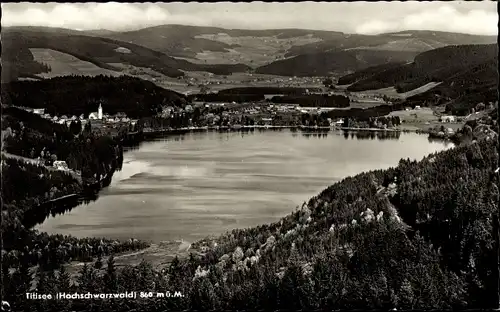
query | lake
[198, 184]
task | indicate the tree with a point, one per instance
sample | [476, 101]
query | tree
[64, 281]
[110, 277]
[98, 263]
[327, 82]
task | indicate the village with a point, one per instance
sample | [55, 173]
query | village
[98, 119]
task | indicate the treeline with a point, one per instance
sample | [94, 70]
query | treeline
[75, 95]
[372, 122]
[51, 251]
[417, 236]
[268, 90]
[323, 100]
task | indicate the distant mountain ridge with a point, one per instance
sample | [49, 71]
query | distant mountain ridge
[322, 58]
[186, 41]
[172, 49]
[428, 39]
[17, 59]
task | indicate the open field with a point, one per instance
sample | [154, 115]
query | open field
[391, 91]
[63, 64]
[422, 119]
[192, 80]
[250, 50]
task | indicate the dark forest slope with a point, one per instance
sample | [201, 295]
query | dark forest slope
[99, 51]
[75, 95]
[326, 63]
[469, 75]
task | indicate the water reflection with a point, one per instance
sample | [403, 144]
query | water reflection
[372, 135]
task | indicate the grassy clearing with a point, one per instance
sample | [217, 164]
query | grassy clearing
[63, 64]
[422, 119]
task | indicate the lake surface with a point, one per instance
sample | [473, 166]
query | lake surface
[199, 184]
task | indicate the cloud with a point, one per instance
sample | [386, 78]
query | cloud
[444, 18]
[357, 17]
[111, 15]
[375, 27]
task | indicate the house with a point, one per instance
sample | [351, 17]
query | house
[61, 165]
[93, 116]
[267, 121]
[167, 110]
[39, 111]
[82, 117]
[417, 107]
[54, 119]
[447, 118]
[74, 117]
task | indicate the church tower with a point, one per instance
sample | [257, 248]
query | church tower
[99, 112]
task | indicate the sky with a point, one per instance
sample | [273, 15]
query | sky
[350, 17]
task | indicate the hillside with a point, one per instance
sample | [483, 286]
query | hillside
[357, 52]
[411, 40]
[96, 50]
[468, 74]
[63, 95]
[326, 63]
[261, 47]
[188, 41]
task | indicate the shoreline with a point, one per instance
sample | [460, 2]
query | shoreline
[167, 131]
[163, 252]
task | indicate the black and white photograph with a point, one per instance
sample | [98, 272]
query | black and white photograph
[249, 156]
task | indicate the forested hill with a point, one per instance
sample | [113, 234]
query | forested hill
[17, 59]
[326, 63]
[469, 75]
[75, 95]
[417, 236]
